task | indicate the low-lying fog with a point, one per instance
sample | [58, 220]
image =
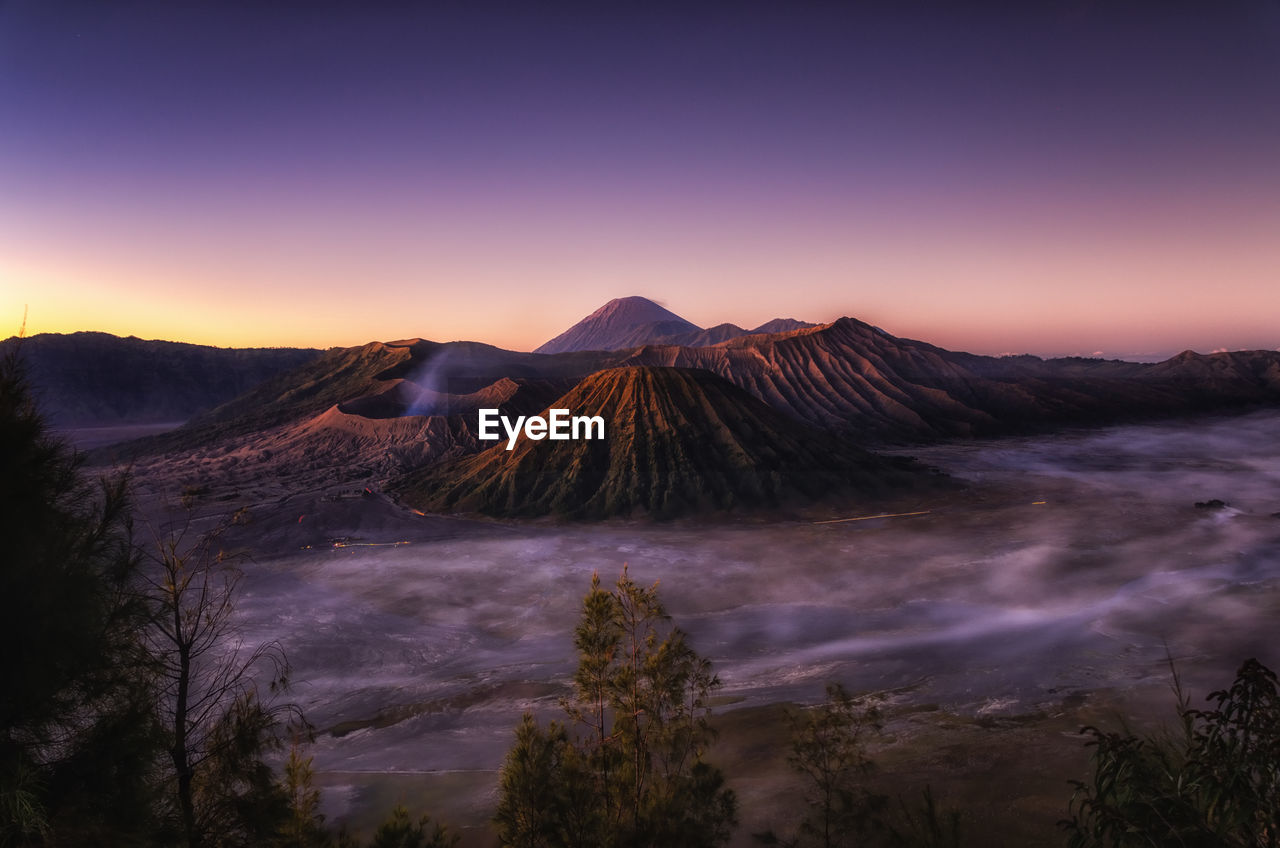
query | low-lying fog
[1067, 567]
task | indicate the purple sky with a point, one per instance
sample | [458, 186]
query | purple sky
[1087, 177]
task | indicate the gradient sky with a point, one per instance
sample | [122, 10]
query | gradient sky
[1087, 177]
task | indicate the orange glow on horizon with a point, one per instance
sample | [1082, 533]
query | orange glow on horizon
[1072, 308]
[333, 180]
[998, 281]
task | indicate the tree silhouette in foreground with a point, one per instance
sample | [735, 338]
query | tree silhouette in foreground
[1215, 781]
[829, 751]
[303, 827]
[131, 712]
[627, 769]
[76, 739]
[399, 830]
[829, 748]
[210, 697]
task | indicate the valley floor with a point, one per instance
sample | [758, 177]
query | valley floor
[1044, 596]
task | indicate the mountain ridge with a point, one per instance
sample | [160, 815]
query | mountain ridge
[847, 376]
[628, 322]
[676, 441]
[405, 411]
[852, 376]
[98, 379]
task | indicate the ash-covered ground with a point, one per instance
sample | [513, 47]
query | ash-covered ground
[1064, 575]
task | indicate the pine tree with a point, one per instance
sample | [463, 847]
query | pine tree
[634, 775]
[76, 742]
[304, 827]
[401, 831]
[829, 751]
[548, 794]
[828, 748]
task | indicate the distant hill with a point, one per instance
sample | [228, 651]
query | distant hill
[676, 441]
[852, 376]
[97, 379]
[629, 322]
[780, 325]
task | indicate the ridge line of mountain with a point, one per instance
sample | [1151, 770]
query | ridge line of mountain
[678, 441]
[628, 322]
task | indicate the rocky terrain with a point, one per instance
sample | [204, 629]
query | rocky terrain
[676, 441]
[851, 376]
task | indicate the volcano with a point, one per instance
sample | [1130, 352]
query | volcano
[617, 324]
[676, 441]
[629, 322]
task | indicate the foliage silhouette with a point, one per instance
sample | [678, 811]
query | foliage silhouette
[1214, 781]
[304, 825]
[633, 773]
[76, 739]
[218, 726]
[401, 831]
[829, 750]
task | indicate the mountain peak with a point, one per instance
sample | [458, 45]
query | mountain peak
[635, 310]
[782, 325]
[614, 326]
[631, 322]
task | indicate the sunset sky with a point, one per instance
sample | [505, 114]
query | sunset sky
[1093, 177]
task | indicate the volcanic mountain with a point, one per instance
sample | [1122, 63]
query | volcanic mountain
[629, 322]
[847, 377]
[356, 416]
[676, 440]
[615, 324]
[681, 439]
[850, 376]
[385, 380]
